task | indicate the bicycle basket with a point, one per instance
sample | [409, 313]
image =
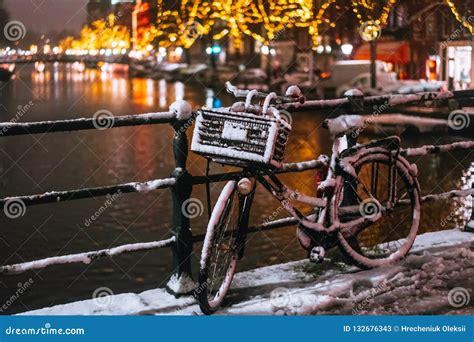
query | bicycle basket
[240, 139]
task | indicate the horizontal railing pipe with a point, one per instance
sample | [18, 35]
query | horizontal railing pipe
[433, 149]
[86, 257]
[69, 195]
[392, 100]
[18, 128]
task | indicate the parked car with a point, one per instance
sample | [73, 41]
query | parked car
[387, 83]
[217, 77]
[192, 70]
[252, 78]
[344, 72]
[299, 78]
[418, 86]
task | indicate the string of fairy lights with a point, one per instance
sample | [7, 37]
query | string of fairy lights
[263, 20]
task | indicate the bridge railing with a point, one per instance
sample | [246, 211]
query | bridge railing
[180, 182]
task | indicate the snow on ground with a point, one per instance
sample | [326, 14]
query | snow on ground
[420, 284]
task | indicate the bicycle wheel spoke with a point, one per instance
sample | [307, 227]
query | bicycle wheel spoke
[382, 181]
[223, 248]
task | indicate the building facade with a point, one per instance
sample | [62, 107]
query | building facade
[98, 9]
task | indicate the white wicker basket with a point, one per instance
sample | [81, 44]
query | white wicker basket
[242, 139]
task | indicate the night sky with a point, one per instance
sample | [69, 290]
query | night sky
[43, 16]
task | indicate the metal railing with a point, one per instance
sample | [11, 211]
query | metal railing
[181, 182]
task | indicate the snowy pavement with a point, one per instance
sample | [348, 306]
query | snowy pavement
[422, 284]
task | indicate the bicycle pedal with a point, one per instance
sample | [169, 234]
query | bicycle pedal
[316, 255]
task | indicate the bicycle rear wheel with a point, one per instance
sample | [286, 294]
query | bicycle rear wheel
[220, 252]
[384, 186]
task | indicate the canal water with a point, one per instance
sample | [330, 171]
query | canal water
[60, 161]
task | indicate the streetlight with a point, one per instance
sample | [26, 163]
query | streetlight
[370, 31]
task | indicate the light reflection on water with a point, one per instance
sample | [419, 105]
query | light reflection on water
[35, 164]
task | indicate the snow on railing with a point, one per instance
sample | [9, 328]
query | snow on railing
[181, 181]
[86, 257]
[431, 149]
[179, 111]
[464, 97]
[447, 195]
[68, 195]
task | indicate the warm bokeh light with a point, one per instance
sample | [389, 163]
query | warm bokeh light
[183, 26]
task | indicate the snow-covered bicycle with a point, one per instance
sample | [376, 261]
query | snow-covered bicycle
[367, 201]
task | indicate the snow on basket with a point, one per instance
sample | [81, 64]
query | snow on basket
[240, 138]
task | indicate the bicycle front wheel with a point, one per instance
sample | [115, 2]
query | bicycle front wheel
[220, 252]
[386, 188]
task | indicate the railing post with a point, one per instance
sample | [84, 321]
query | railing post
[181, 282]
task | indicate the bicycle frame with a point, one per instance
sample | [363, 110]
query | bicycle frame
[284, 195]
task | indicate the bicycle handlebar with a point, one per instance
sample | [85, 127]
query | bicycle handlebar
[242, 93]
